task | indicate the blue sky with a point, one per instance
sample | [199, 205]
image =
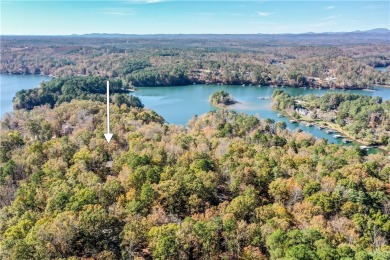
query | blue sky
[163, 16]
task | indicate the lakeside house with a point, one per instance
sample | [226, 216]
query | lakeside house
[66, 129]
[303, 111]
[109, 164]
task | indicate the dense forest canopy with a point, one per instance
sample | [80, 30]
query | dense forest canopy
[228, 186]
[319, 60]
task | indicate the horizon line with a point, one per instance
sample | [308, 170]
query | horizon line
[154, 34]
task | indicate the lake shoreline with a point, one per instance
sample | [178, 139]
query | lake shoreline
[241, 84]
[178, 104]
[335, 128]
[220, 106]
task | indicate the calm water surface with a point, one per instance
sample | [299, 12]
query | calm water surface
[10, 84]
[383, 69]
[178, 104]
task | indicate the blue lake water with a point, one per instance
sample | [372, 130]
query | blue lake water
[10, 84]
[178, 104]
[383, 69]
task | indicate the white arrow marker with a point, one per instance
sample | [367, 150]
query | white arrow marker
[108, 136]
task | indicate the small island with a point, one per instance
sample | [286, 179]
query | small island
[222, 98]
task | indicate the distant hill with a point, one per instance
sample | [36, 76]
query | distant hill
[377, 35]
[378, 30]
[367, 32]
[371, 31]
[333, 38]
[375, 31]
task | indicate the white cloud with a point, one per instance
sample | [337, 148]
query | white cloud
[330, 7]
[331, 18]
[264, 13]
[260, 23]
[144, 1]
[202, 14]
[118, 11]
[232, 14]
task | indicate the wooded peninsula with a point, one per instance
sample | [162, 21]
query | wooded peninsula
[364, 118]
